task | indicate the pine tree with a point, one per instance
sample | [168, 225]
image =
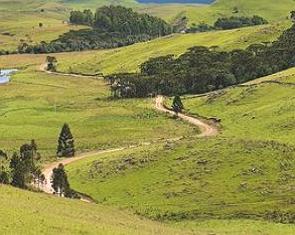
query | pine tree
[177, 105]
[59, 181]
[65, 146]
[18, 171]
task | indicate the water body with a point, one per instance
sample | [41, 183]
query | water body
[177, 1]
[5, 75]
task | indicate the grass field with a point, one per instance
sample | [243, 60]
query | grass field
[56, 12]
[246, 172]
[128, 59]
[35, 105]
[13, 32]
[41, 214]
[25, 213]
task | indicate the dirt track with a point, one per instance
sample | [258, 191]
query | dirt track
[206, 129]
[47, 170]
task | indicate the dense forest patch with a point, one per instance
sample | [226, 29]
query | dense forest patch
[203, 69]
[110, 27]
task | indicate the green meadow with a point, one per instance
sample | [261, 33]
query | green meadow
[167, 180]
[34, 105]
[129, 58]
[36, 213]
[246, 172]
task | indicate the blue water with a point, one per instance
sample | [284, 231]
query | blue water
[5, 75]
[176, 1]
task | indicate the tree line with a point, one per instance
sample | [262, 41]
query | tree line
[203, 69]
[232, 22]
[110, 27]
[24, 166]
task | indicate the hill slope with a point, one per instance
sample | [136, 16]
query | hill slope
[269, 9]
[41, 214]
[246, 172]
[127, 59]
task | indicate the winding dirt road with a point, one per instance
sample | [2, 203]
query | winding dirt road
[42, 68]
[47, 170]
[206, 131]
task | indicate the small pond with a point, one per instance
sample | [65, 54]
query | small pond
[177, 1]
[5, 75]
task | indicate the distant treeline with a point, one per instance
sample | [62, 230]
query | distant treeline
[110, 27]
[232, 22]
[203, 69]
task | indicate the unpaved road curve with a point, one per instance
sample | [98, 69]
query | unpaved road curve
[47, 170]
[42, 68]
[206, 129]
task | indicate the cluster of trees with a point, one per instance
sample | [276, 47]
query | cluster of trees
[85, 17]
[224, 23]
[239, 22]
[23, 167]
[111, 27]
[203, 69]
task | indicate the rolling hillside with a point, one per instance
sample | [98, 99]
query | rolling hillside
[246, 172]
[128, 59]
[56, 12]
[24, 212]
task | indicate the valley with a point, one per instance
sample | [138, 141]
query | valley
[220, 162]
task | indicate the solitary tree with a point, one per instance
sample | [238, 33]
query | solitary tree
[51, 62]
[293, 16]
[59, 181]
[65, 147]
[177, 105]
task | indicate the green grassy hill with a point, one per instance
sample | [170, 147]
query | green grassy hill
[269, 9]
[23, 212]
[128, 59]
[56, 12]
[97, 122]
[246, 172]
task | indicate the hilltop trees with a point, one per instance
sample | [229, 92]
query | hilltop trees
[203, 69]
[238, 22]
[65, 146]
[85, 18]
[111, 26]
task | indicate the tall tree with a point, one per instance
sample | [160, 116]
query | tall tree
[18, 171]
[23, 165]
[65, 146]
[59, 181]
[177, 105]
